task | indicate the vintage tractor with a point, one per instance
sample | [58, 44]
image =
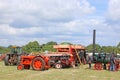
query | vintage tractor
[13, 57]
[100, 60]
[38, 63]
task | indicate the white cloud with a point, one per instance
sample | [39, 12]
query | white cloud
[8, 30]
[73, 31]
[55, 20]
[44, 9]
[114, 9]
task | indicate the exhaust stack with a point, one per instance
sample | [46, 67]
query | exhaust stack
[94, 39]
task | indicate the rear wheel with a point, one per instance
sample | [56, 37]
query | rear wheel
[117, 67]
[6, 60]
[38, 64]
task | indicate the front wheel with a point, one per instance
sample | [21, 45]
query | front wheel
[20, 67]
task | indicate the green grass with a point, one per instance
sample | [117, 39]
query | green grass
[81, 73]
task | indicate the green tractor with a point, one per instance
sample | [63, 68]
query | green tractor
[13, 58]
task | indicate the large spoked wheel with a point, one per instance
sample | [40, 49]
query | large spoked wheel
[58, 66]
[117, 67]
[20, 67]
[6, 60]
[98, 66]
[38, 64]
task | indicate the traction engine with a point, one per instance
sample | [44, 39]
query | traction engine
[102, 61]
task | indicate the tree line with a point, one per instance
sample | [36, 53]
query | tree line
[36, 47]
[104, 49]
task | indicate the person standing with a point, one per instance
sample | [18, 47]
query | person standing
[89, 61]
[112, 63]
[104, 61]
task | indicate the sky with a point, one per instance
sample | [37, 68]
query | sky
[22, 21]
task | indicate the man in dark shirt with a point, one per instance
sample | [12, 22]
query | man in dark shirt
[112, 63]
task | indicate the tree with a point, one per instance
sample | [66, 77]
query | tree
[32, 47]
[4, 50]
[66, 43]
[109, 49]
[48, 46]
[104, 49]
[118, 48]
[51, 43]
[90, 48]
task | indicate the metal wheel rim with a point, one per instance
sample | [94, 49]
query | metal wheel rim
[37, 64]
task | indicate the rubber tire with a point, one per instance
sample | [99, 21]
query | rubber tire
[20, 65]
[42, 64]
[6, 60]
[58, 66]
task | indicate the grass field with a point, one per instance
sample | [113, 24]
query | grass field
[81, 73]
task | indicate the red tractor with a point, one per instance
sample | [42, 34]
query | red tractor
[38, 63]
[66, 56]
